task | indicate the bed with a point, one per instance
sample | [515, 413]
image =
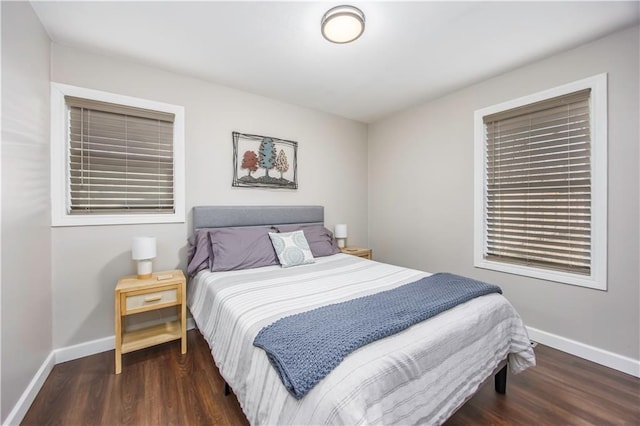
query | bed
[418, 376]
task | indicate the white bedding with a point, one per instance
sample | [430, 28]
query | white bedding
[421, 375]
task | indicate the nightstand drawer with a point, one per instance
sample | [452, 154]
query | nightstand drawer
[135, 302]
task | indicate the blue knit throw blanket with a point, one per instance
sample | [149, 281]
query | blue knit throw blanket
[305, 347]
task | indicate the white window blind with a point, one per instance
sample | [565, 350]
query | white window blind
[538, 184]
[120, 159]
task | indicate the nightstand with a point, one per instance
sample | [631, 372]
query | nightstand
[358, 251]
[133, 296]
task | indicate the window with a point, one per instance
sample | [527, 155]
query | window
[540, 207]
[115, 159]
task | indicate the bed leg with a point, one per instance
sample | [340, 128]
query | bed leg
[501, 381]
[227, 389]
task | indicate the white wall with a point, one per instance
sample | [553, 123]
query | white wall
[421, 194]
[26, 237]
[332, 171]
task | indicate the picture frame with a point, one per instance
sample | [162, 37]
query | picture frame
[264, 162]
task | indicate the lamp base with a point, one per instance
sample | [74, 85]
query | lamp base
[341, 242]
[145, 267]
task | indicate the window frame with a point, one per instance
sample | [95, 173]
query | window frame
[60, 215]
[598, 122]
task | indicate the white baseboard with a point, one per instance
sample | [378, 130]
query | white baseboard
[58, 356]
[80, 350]
[26, 399]
[600, 356]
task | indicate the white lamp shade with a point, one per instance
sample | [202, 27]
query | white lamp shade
[143, 248]
[340, 231]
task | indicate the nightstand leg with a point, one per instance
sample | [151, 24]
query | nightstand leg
[118, 362]
[183, 323]
[118, 330]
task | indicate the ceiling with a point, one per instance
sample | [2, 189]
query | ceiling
[410, 52]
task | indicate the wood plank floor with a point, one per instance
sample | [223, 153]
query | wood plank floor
[158, 386]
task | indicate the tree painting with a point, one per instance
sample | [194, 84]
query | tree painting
[258, 155]
[267, 153]
[250, 161]
[282, 164]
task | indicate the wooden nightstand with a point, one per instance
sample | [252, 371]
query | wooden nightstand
[133, 295]
[358, 251]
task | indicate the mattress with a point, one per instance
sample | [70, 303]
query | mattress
[418, 376]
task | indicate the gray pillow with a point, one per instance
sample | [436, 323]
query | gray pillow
[199, 254]
[241, 248]
[320, 239]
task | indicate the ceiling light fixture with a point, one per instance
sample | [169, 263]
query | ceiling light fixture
[343, 24]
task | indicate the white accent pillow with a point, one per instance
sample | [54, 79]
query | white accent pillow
[291, 248]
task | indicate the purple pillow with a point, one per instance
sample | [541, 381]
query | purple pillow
[241, 248]
[199, 254]
[320, 239]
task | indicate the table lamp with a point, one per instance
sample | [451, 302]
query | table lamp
[143, 250]
[340, 233]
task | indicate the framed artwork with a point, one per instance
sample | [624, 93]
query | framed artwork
[264, 161]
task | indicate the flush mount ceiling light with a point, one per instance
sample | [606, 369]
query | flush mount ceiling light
[342, 24]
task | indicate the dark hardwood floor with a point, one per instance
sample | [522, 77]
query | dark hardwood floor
[158, 386]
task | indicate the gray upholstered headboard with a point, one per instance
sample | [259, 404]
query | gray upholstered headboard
[225, 216]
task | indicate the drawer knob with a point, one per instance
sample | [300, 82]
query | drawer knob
[152, 299]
